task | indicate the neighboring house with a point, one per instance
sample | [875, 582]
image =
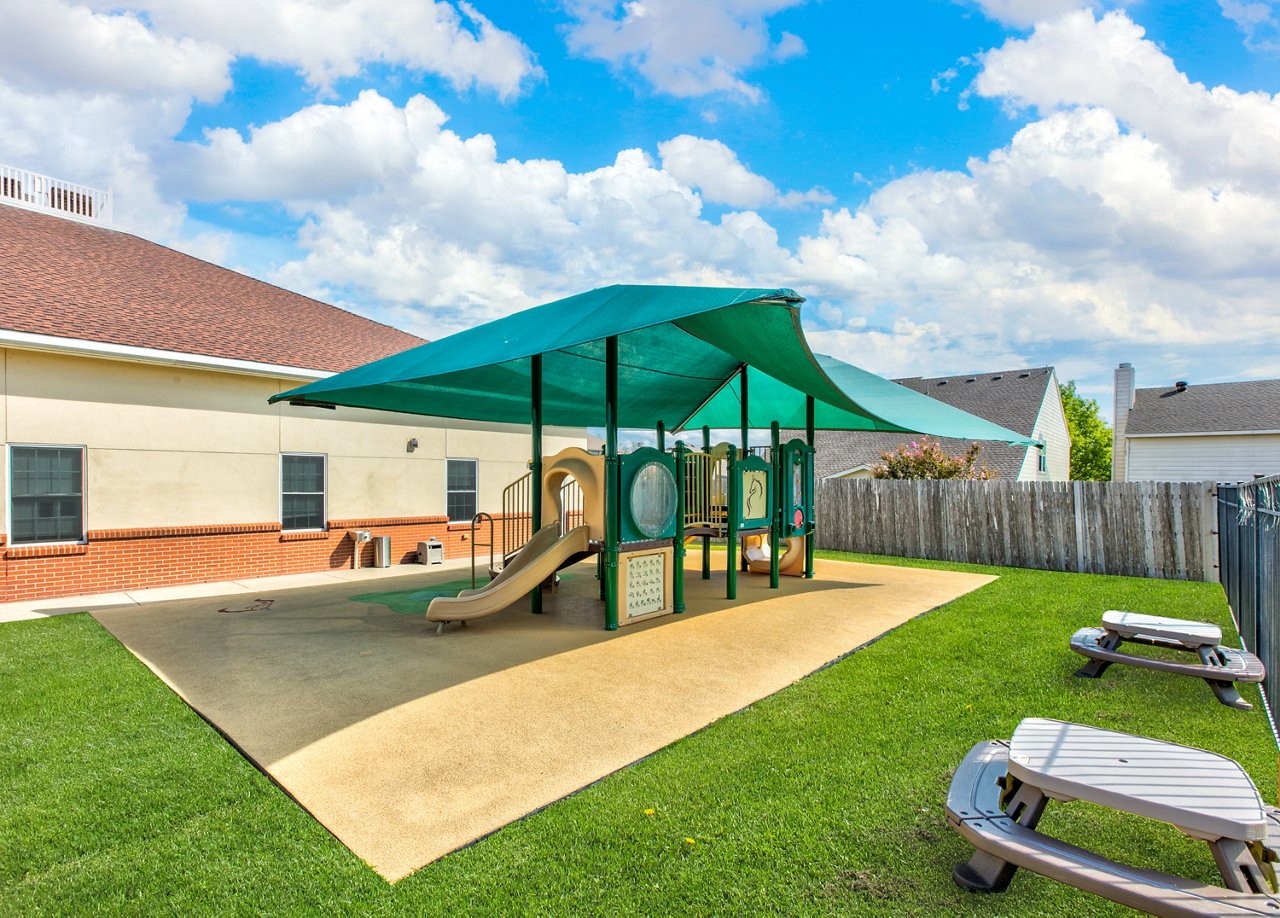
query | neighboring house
[1027, 401]
[1214, 432]
[139, 448]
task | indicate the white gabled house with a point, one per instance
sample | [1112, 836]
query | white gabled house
[1183, 432]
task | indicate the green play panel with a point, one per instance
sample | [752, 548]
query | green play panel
[415, 602]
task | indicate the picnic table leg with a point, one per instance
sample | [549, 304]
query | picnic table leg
[1226, 690]
[1095, 668]
[1240, 869]
[987, 873]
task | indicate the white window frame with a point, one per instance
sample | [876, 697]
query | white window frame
[448, 491]
[1042, 463]
[324, 495]
[84, 494]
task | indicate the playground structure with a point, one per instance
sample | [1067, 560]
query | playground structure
[658, 358]
[667, 497]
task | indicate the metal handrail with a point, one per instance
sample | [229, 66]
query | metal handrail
[479, 519]
[571, 507]
[517, 515]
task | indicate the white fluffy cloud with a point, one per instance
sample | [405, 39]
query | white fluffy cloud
[1139, 210]
[1134, 210]
[682, 48]
[715, 170]
[330, 39]
[56, 46]
[1258, 20]
[1026, 13]
[409, 213]
[97, 91]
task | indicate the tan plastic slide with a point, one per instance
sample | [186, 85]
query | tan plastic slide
[757, 550]
[544, 554]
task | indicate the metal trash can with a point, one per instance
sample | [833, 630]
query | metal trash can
[382, 551]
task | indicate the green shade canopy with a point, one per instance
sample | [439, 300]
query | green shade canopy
[883, 405]
[680, 350]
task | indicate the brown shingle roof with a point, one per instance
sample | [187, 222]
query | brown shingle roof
[72, 280]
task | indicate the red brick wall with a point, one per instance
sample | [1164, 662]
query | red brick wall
[112, 560]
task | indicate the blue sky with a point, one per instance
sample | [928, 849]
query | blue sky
[956, 185]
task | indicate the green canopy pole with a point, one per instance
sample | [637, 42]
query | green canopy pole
[706, 540]
[775, 524]
[809, 496]
[731, 540]
[662, 437]
[611, 476]
[733, 547]
[677, 583]
[535, 481]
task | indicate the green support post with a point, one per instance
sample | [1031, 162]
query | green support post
[662, 437]
[746, 439]
[535, 467]
[706, 540]
[677, 582]
[731, 537]
[611, 483]
[775, 524]
[808, 484]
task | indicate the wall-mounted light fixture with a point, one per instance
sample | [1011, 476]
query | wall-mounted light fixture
[412, 445]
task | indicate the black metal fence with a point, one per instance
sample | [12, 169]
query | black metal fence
[1249, 567]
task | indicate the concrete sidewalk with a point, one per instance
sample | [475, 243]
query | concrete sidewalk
[63, 605]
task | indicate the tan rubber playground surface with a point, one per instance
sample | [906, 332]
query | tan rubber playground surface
[407, 746]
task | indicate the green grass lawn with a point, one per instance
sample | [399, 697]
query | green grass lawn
[826, 798]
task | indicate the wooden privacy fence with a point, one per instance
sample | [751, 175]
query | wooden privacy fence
[1138, 528]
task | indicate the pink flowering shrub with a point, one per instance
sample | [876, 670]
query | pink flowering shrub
[927, 459]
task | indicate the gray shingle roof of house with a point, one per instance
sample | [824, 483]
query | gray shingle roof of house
[841, 450]
[1011, 398]
[1212, 408]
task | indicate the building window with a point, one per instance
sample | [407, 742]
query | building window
[46, 487]
[1043, 458]
[460, 489]
[302, 491]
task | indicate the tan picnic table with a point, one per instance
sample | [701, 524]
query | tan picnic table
[1220, 667]
[1205, 795]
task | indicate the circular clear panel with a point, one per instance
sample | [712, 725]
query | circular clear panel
[653, 499]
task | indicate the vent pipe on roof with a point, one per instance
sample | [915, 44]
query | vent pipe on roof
[1180, 385]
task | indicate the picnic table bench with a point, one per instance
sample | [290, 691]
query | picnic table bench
[1221, 667]
[1001, 789]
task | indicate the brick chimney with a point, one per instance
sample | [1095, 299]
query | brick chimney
[1123, 402]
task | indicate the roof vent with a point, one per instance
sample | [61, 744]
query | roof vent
[942, 382]
[1180, 385]
[994, 378]
[1024, 376]
[972, 379]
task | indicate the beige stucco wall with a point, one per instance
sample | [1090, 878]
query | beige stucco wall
[178, 447]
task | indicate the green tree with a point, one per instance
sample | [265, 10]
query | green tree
[1090, 436]
[926, 458]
